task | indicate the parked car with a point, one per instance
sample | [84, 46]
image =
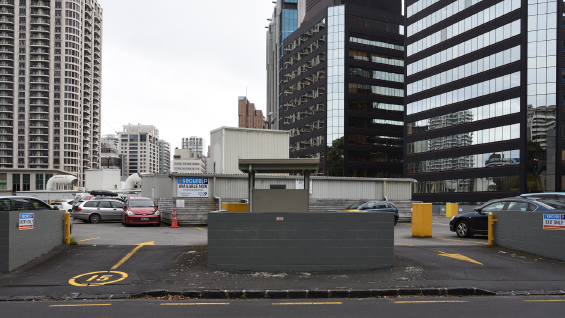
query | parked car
[17, 203]
[63, 205]
[373, 206]
[95, 211]
[476, 222]
[141, 211]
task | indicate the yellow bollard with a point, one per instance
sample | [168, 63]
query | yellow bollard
[451, 209]
[422, 220]
[490, 229]
[67, 219]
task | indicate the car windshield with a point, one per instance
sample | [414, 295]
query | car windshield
[141, 204]
[356, 205]
[551, 204]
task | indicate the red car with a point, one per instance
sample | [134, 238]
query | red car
[141, 211]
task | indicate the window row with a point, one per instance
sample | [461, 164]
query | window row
[320, 26]
[308, 143]
[370, 140]
[477, 19]
[305, 113]
[305, 82]
[376, 107]
[510, 106]
[320, 58]
[370, 156]
[305, 98]
[375, 123]
[489, 38]
[472, 68]
[375, 58]
[440, 15]
[308, 128]
[465, 93]
[376, 41]
[375, 25]
[374, 74]
[305, 52]
[484, 160]
[479, 137]
[488, 184]
[356, 88]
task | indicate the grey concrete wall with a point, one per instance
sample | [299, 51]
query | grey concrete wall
[301, 242]
[19, 247]
[523, 231]
[195, 210]
[278, 200]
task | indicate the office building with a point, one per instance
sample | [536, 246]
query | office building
[50, 85]
[343, 80]
[249, 116]
[139, 147]
[188, 161]
[111, 157]
[481, 98]
[193, 144]
[283, 22]
[164, 156]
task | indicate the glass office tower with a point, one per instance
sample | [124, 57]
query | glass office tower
[481, 84]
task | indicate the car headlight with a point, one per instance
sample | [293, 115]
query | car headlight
[156, 212]
[129, 213]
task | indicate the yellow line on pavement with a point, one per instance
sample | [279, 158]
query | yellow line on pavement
[459, 257]
[191, 304]
[201, 229]
[80, 305]
[437, 238]
[545, 300]
[402, 244]
[431, 301]
[89, 239]
[131, 253]
[323, 303]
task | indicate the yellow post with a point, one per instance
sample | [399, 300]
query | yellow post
[490, 230]
[422, 220]
[67, 228]
[235, 207]
[451, 209]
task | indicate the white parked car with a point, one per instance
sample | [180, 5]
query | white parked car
[63, 205]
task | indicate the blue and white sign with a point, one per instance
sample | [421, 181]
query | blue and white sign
[554, 221]
[192, 188]
[26, 221]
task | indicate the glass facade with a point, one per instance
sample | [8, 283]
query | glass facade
[483, 160]
[487, 184]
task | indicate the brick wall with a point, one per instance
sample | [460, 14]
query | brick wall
[301, 242]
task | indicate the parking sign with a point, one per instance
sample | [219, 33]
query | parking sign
[26, 221]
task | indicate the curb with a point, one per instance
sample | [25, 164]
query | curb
[294, 294]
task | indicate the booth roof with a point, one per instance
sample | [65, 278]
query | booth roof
[279, 165]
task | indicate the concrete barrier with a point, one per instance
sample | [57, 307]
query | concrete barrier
[523, 231]
[18, 247]
[284, 241]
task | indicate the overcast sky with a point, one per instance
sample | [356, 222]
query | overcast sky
[180, 65]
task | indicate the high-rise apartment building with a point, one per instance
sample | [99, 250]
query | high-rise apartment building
[283, 22]
[193, 144]
[50, 85]
[249, 117]
[343, 87]
[164, 156]
[188, 161]
[482, 96]
[139, 146]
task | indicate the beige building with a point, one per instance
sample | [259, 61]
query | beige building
[12, 180]
[50, 85]
[139, 147]
[188, 161]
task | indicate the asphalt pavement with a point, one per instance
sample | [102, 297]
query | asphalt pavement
[461, 307]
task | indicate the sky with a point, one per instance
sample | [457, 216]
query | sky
[181, 65]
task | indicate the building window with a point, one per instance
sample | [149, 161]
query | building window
[16, 182]
[26, 182]
[3, 181]
[39, 181]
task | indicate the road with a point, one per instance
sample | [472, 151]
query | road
[461, 307]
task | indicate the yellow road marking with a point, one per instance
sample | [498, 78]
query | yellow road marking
[437, 238]
[545, 300]
[201, 229]
[98, 278]
[402, 244]
[191, 304]
[459, 257]
[89, 239]
[80, 305]
[431, 301]
[131, 253]
[324, 303]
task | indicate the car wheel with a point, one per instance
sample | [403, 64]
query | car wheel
[395, 220]
[463, 229]
[123, 221]
[94, 218]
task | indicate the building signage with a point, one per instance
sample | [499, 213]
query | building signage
[554, 221]
[26, 221]
[192, 188]
[180, 203]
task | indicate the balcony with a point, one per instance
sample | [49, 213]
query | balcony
[39, 43]
[39, 162]
[6, 146]
[7, 27]
[9, 57]
[4, 109]
[7, 49]
[39, 51]
[9, 35]
[39, 80]
[40, 21]
[38, 58]
[40, 13]
[38, 131]
[3, 94]
[7, 20]
[40, 4]
[6, 123]
[6, 72]
[40, 65]
[7, 3]
[38, 154]
[7, 42]
[44, 110]
[39, 87]
[39, 73]
[4, 64]
[36, 139]
[39, 95]
[6, 101]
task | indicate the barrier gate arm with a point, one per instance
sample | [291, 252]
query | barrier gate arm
[67, 220]
[490, 230]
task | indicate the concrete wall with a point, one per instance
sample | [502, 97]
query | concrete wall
[19, 247]
[301, 241]
[523, 231]
[278, 200]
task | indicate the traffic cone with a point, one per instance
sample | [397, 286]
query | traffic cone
[174, 219]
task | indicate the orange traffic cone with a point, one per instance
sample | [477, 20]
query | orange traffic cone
[174, 219]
